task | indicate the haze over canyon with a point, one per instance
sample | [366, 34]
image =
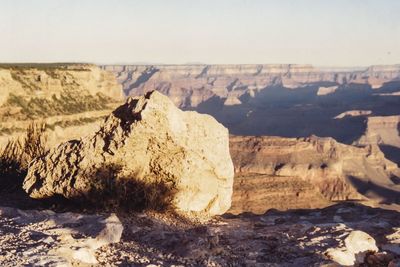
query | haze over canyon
[352, 105]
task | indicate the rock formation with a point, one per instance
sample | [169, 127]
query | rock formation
[148, 143]
[327, 90]
[383, 130]
[354, 113]
[190, 85]
[275, 172]
[61, 95]
[356, 246]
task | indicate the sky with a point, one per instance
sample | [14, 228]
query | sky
[318, 32]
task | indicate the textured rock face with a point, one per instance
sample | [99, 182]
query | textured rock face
[149, 140]
[51, 83]
[357, 245]
[63, 96]
[305, 172]
[382, 130]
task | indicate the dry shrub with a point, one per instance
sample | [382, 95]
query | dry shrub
[139, 195]
[17, 154]
[34, 143]
[128, 192]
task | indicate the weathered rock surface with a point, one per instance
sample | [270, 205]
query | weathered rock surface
[146, 141]
[292, 238]
[46, 238]
[356, 246]
[64, 96]
[383, 130]
[284, 173]
[36, 90]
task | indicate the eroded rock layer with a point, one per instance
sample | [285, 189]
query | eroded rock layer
[63, 96]
[275, 172]
[190, 85]
[383, 130]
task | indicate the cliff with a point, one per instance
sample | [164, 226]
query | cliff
[384, 130]
[183, 82]
[61, 95]
[275, 172]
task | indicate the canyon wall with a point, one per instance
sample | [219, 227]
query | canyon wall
[382, 130]
[275, 172]
[282, 100]
[69, 98]
[190, 85]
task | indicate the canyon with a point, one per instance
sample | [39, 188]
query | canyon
[357, 106]
[313, 172]
[315, 153]
[353, 105]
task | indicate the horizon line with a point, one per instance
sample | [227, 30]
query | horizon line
[189, 64]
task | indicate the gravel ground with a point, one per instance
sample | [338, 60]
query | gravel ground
[42, 237]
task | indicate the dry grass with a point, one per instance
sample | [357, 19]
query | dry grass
[17, 154]
[128, 192]
[70, 102]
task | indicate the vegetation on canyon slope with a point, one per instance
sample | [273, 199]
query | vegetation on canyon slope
[65, 104]
[45, 66]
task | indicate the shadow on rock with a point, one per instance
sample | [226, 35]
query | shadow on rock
[111, 189]
[374, 191]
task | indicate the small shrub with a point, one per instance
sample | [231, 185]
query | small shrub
[34, 143]
[17, 154]
[11, 171]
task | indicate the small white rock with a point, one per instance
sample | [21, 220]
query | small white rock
[357, 244]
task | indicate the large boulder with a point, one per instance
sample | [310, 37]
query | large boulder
[145, 144]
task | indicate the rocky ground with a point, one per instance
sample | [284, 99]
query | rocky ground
[294, 238]
[315, 237]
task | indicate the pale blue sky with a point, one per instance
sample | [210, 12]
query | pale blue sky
[319, 32]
